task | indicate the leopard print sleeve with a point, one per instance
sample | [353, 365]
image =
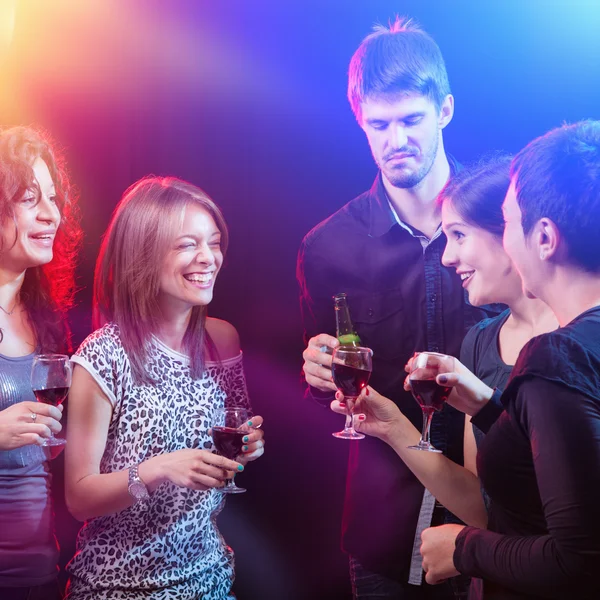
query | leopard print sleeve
[234, 383]
[102, 356]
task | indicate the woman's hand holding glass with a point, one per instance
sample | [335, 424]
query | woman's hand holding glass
[190, 468]
[254, 444]
[375, 415]
[27, 423]
[469, 394]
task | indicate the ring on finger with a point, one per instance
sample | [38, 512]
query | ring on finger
[33, 416]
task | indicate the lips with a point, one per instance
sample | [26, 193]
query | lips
[200, 278]
[399, 157]
[465, 277]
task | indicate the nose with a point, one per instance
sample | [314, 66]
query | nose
[398, 136]
[205, 255]
[48, 211]
[449, 258]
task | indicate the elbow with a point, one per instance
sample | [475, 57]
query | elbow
[77, 506]
[76, 509]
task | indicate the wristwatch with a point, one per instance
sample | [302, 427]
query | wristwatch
[137, 488]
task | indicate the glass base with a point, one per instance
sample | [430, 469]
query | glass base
[425, 447]
[348, 434]
[54, 441]
[233, 489]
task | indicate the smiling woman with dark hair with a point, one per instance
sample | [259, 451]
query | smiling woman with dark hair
[38, 243]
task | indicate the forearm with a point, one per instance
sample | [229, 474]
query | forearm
[455, 487]
[102, 494]
[530, 565]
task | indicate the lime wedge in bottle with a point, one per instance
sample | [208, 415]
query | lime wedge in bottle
[349, 339]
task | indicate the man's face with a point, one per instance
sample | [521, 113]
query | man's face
[404, 135]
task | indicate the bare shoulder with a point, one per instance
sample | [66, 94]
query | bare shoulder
[225, 337]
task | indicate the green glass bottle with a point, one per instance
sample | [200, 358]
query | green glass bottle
[345, 332]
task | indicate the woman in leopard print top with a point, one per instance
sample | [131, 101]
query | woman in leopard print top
[145, 388]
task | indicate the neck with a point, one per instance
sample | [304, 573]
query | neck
[172, 327]
[416, 206]
[10, 287]
[570, 292]
[532, 313]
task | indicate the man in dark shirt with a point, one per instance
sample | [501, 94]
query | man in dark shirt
[384, 250]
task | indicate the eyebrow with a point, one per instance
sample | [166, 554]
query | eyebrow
[195, 237]
[455, 224]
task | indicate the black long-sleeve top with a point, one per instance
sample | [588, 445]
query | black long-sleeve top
[540, 465]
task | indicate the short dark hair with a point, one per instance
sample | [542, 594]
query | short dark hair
[557, 176]
[398, 59]
[477, 193]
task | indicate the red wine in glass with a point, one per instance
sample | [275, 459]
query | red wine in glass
[54, 396]
[50, 382]
[228, 441]
[429, 394]
[229, 426]
[350, 380]
[351, 369]
[425, 367]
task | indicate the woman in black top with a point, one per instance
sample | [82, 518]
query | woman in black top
[471, 207]
[540, 462]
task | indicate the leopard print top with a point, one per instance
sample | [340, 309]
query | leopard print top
[171, 549]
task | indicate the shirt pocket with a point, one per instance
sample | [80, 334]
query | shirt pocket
[379, 319]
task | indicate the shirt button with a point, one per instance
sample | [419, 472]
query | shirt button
[433, 297]
[370, 312]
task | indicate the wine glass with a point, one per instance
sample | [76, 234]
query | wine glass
[50, 382]
[230, 425]
[425, 367]
[351, 369]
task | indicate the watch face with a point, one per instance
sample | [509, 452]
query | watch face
[138, 490]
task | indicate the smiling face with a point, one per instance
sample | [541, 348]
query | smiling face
[404, 135]
[477, 255]
[193, 261]
[28, 239]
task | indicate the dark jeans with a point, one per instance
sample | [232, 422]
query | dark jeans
[48, 591]
[367, 585]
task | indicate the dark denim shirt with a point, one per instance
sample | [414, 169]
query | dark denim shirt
[402, 300]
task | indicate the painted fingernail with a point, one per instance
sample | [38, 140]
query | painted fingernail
[343, 404]
[249, 423]
[240, 467]
[245, 448]
[362, 418]
[443, 379]
[245, 439]
[367, 391]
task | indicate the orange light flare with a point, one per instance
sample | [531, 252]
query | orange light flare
[89, 53]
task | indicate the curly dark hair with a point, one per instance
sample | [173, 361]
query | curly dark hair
[47, 291]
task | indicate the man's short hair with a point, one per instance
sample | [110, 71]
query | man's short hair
[558, 176]
[395, 60]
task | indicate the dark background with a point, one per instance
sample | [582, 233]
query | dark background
[247, 100]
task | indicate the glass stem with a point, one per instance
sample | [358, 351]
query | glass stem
[349, 413]
[427, 416]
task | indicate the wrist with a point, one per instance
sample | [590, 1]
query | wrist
[483, 397]
[151, 472]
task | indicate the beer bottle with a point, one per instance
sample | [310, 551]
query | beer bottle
[345, 332]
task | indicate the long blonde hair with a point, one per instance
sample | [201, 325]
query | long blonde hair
[127, 277]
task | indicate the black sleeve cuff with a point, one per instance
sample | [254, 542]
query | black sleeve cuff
[490, 412]
[323, 399]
